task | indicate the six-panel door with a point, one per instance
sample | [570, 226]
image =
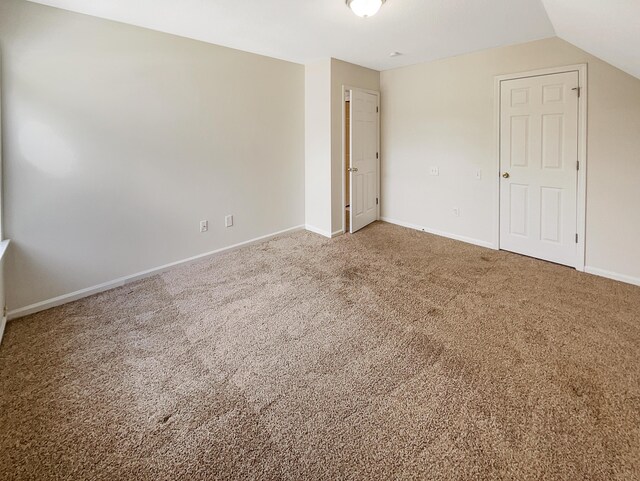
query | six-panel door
[538, 166]
[364, 161]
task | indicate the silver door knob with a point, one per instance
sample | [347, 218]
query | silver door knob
[505, 175]
[353, 169]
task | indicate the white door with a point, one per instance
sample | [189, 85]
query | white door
[364, 159]
[538, 166]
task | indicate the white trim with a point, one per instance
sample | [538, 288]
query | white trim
[324, 233]
[612, 275]
[345, 89]
[345, 92]
[3, 250]
[4, 245]
[468, 240]
[3, 323]
[588, 269]
[581, 200]
[318, 231]
[74, 296]
[582, 173]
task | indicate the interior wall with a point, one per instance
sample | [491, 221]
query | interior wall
[317, 163]
[118, 140]
[343, 74]
[441, 114]
[324, 106]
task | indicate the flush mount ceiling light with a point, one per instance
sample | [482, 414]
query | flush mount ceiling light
[365, 8]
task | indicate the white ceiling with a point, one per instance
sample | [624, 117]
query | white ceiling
[306, 30]
[608, 29]
[422, 30]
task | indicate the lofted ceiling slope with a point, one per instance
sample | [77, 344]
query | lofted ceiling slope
[608, 29]
[422, 30]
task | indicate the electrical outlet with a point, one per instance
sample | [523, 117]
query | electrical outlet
[434, 171]
[456, 211]
[228, 221]
[204, 225]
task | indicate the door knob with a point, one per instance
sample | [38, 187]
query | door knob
[505, 175]
[353, 169]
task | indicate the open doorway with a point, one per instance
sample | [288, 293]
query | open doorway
[361, 158]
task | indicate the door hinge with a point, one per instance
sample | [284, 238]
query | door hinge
[377, 109]
[577, 89]
[576, 238]
[376, 201]
[578, 165]
[377, 155]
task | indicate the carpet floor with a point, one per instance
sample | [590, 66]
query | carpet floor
[388, 354]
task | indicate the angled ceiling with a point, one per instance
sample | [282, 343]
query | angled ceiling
[306, 30]
[422, 30]
[608, 29]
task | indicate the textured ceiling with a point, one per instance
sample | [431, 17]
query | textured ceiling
[306, 30]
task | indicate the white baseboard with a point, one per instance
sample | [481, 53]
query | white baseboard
[468, 240]
[337, 233]
[3, 323]
[74, 296]
[612, 275]
[589, 270]
[316, 230]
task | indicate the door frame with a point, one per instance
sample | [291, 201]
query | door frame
[581, 201]
[345, 88]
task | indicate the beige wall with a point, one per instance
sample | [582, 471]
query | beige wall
[442, 114]
[343, 74]
[318, 146]
[324, 106]
[119, 140]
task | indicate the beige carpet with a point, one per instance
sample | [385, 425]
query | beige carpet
[389, 354]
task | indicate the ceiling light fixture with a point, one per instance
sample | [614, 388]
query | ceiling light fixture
[365, 8]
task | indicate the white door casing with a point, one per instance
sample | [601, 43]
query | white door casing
[364, 158]
[539, 143]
